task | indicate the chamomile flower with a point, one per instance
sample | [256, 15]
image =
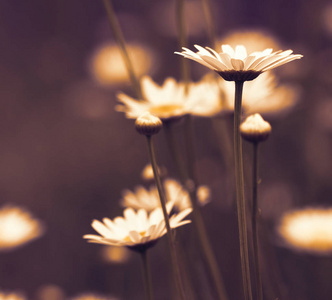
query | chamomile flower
[17, 227]
[137, 230]
[172, 100]
[308, 229]
[235, 64]
[174, 192]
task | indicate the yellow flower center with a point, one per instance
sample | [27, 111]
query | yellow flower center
[128, 239]
[165, 110]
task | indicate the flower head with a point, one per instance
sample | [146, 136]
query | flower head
[17, 227]
[148, 124]
[235, 64]
[255, 129]
[308, 229]
[174, 192]
[108, 67]
[137, 230]
[171, 100]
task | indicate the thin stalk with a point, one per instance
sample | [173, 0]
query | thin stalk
[146, 275]
[180, 21]
[191, 187]
[206, 5]
[116, 29]
[254, 222]
[170, 237]
[240, 202]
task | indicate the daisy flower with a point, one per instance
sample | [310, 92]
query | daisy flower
[171, 100]
[174, 192]
[137, 230]
[308, 229]
[235, 64]
[17, 227]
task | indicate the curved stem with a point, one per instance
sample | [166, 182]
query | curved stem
[254, 221]
[182, 39]
[115, 26]
[241, 207]
[170, 237]
[146, 275]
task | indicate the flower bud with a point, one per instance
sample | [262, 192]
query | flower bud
[148, 124]
[254, 129]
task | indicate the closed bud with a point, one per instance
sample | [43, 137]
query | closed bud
[254, 129]
[148, 124]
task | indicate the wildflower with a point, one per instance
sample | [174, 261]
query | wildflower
[174, 192]
[17, 227]
[308, 229]
[171, 100]
[235, 65]
[136, 230]
[255, 129]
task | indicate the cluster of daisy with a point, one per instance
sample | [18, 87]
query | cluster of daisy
[211, 96]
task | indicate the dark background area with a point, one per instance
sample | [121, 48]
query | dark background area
[68, 168]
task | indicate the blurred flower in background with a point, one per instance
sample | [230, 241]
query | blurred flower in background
[11, 296]
[17, 227]
[50, 292]
[171, 100]
[308, 229]
[147, 172]
[253, 40]
[92, 296]
[174, 192]
[108, 68]
[115, 255]
[263, 95]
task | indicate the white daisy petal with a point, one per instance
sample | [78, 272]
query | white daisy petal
[238, 60]
[237, 64]
[135, 228]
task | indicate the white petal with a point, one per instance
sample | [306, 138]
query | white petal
[100, 228]
[237, 64]
[135, 236]
[226, 60]
[228, 50]
[284, 61]
[240, 52]
[214, 63]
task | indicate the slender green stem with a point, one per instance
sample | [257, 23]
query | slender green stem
[191, 187]
[241, 207]
[147, 275]
[171, 242]
[115, 26]
[254, 222]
